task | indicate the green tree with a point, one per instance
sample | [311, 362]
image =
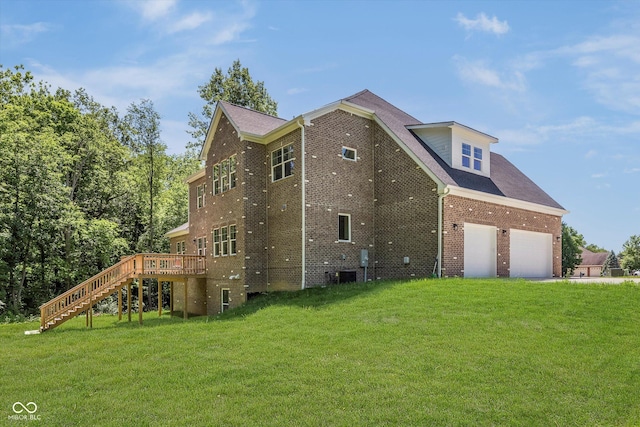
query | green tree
[595, 248]
[630, 255]
[143, 137]
[236, 87]
[571, 252]
[609, 263]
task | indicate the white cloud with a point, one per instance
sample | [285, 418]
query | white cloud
[190, 22]
[483, 23]
[17, 34]
[632, 170]
[478, 72]
[590, 154]
[296, 90]
[152, 10]
[598, 175]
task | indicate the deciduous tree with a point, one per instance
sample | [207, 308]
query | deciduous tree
[630, 255]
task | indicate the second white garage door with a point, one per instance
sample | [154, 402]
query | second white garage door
[479, 250]
[531, 254]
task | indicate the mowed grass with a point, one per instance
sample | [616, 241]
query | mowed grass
[431, 352]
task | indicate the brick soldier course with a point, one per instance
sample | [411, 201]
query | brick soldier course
[309, 194]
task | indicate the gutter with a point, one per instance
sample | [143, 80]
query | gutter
[304, 203]
[441, 195]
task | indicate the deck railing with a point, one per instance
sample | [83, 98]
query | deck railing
[103, 284]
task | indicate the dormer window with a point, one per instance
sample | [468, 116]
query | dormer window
[466, 157]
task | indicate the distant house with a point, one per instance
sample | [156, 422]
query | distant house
[355, 190]
[592, 264]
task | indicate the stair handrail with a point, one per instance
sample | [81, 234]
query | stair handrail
[133, 265]
[45, 317]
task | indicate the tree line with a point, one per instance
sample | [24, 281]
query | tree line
[82, 185]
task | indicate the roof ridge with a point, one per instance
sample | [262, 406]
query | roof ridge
[250, 109]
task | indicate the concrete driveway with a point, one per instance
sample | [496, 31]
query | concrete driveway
[611, 280]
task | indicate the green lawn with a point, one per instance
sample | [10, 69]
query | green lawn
[435, 352]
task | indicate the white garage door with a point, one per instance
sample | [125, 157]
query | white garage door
[531, 254]
[479, 250]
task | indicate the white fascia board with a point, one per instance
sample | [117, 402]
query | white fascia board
[195, 176]
[505, 201]
[182, 230]
[213, 125]
[455, 125]
[411, 154]
[349, 107]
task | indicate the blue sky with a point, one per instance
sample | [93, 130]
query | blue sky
[558, 82]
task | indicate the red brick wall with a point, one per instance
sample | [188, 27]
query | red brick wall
[338, 186]
[458, 210]
[406, 213]
[284, 220]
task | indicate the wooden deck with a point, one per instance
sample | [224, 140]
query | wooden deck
[82, 298]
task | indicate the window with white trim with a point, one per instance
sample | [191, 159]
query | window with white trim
[216, 179]
[232, 239]
[200, 195]
[344, 227]
[224, 300]
[224, 175]
[282, 162]
[466, 157]
[202, 245]
[349, 153]
[180, 248]
[216, 242]
[224, 237]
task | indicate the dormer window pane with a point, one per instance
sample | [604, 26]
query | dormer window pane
[466, 155]
[477, 158]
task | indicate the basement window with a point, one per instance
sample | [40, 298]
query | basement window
[282, 162]
[344, 227]
[349, 153]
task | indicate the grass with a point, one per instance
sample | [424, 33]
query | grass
[437, 352]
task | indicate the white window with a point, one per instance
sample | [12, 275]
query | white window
[224, 175]
[344, 227]
[216, 242]
[232, 172]
[466, 157]
[180, 248]
[224, 233]
[282, 162]
[202, 245]
[216, 179]
[349, 153]
[200, 191]
[477, 158]
[232, 239]
[224, 299]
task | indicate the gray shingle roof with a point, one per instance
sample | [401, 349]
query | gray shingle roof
[251, 121]
[593, 258]
[506, 180]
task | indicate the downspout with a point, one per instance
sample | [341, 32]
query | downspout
[441, 195]
[304, 204]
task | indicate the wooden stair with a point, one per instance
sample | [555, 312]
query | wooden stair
[84, 296]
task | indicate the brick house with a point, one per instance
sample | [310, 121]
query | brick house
[357, 187]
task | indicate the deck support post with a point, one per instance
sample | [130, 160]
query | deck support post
[159, 298]
[119, 304]
[171, 298]
[185, 315]
[129, 300]
[140, 282]
[86, 318]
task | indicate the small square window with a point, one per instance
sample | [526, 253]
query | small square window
[349, 153]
